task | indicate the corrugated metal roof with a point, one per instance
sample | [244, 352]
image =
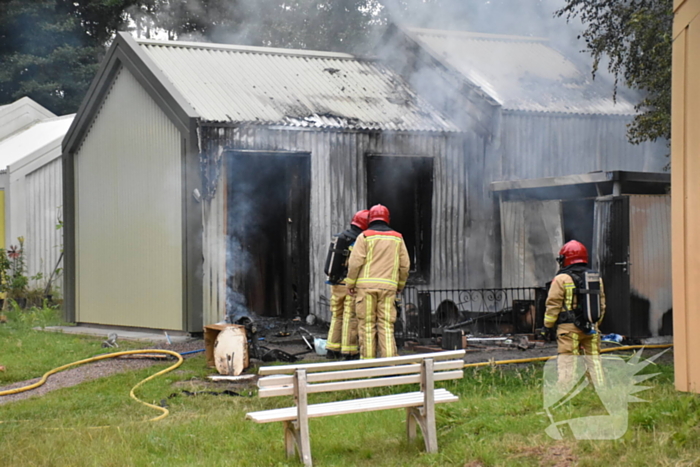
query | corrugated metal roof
[292, 88]
[522, 73]
[32, 138]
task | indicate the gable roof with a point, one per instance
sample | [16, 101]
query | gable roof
[235, 84]
[198, 83]
[19, 114]
[45, 134]
[520, 73]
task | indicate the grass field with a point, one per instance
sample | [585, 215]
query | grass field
[497, 422]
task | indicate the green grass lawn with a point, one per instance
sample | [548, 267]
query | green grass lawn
[498, 420]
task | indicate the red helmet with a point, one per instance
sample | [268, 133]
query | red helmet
[571, 253]
[379, 213]
[361, 219]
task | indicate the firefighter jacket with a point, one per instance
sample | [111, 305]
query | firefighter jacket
[561, 298]
[379, 260]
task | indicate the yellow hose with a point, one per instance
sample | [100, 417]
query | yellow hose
[103, 357]
[542, 359]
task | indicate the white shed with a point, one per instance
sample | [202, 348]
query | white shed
[30, 179]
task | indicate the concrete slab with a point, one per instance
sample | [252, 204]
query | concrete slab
[125, 334]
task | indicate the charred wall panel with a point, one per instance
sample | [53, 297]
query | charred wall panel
[532, 233]
[548, 145]
[464, 228]
[650, 258]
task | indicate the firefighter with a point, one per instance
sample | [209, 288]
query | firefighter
[377, 271]
[576, 330]
[342, 335]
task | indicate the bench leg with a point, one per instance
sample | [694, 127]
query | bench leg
[427, 426]
[296, 439]
[410, 425]
[290, 439]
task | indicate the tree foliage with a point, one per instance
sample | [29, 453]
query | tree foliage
[635, 36]
[50, 49]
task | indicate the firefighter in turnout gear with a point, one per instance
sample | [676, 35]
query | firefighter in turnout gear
[342, 335]
[377, 271]
[575, 308]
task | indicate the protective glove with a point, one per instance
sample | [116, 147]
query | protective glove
[548, 334]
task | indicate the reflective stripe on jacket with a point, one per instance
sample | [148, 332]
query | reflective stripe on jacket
[561, 298]
[379, 260]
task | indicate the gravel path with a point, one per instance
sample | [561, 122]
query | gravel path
[90, 371]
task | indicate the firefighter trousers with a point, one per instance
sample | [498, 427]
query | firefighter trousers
[376, 315]
[342, 335]
[578, 348]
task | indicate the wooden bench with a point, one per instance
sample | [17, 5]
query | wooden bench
[302, 380]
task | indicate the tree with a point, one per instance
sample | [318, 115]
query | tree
[636, 36]
[50, 49]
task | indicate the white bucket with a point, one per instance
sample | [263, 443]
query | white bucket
[320, 346]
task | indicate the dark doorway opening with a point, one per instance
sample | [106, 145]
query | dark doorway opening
[404, 184]
[267, 212]
[578, 221]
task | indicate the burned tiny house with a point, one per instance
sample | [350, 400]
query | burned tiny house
[208, 179]
[542, 117]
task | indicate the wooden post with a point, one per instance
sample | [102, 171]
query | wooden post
[428, 388]
[300, 398]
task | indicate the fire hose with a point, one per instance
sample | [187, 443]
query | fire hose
[164, 411]
[543, 359]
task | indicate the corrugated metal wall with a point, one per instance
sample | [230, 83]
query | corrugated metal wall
[129, 199]
[650, 254]
[464, 232]
[44, 204]
[531, 236]
[546, 145]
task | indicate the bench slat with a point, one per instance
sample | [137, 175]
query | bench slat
[359, 384]
[354, 364]
[286, 380]
[413, 399]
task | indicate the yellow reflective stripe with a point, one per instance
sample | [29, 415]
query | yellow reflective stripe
[350, 282]
[388, 328]
[377, 280]
[549, 319]
[370, 254]
[369, 334]
[395, 270]
[402, 284]
[569, 300]
[574, 338]
[595, 351]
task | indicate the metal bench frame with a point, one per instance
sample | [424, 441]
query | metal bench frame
[302, 380]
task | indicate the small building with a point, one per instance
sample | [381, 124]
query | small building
[206, 179]
[552, 137]
[624, 220]
[31, 182]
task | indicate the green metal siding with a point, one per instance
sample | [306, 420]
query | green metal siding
[128, 199]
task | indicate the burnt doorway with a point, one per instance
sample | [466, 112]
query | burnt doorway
[612, 253]
[404, 184]
[267, 232]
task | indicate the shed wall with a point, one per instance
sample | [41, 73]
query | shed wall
[128, 211]
[464, 231]
[538, 145]
[44, 188]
